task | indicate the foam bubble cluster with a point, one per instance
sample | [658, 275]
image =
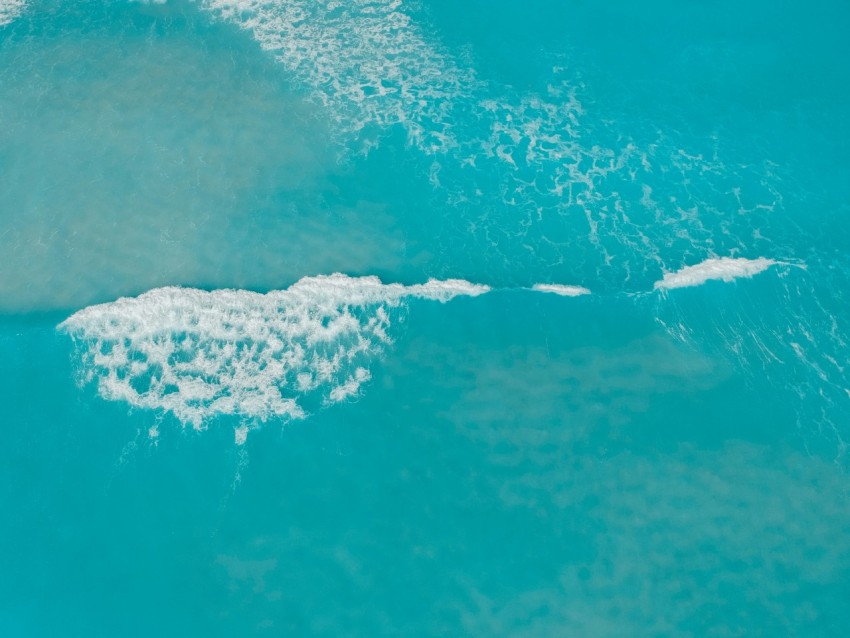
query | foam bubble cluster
[723, 269]
[10, 9]
[200, 354]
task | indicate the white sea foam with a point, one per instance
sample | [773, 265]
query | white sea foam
[365, 60]
[562, 290]
[240, 435]
[446, 290]
[639, 202]
[10, 9]
[200, 354]
[534, 132]
[372, 67]
[723, 269]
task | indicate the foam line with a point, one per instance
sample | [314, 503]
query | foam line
[562, 290]
[200, 354]
[722, 269]
[10, 9]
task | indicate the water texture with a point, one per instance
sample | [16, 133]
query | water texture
[377, 317]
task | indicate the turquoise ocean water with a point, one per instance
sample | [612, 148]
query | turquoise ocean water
[514, 318]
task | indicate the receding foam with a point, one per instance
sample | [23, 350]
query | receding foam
[200, 354]
[10, 9]
[722, 269]
[562, 290]
[372, 67]
[364, 60]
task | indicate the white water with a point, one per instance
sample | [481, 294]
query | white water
[562, 290]
[201, 354]
[722, 269]
[364, 60]
[10, 9]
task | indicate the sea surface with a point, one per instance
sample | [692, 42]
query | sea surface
[424, 318]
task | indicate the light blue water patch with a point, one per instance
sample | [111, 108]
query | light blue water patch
[626, 415]
[143, 146]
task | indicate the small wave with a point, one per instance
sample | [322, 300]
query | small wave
[723, 269]
[559, 289]
[10, 9]
[200, 354]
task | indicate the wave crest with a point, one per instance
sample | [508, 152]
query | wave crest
[723, 269]
[561, 289]
[200, 354]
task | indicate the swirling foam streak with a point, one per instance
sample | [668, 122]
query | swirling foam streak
[723, 269]
[201, 354]
[10, 9]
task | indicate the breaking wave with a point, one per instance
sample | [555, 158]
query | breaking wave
[201, 354]
[722, 269]
[562, 290]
